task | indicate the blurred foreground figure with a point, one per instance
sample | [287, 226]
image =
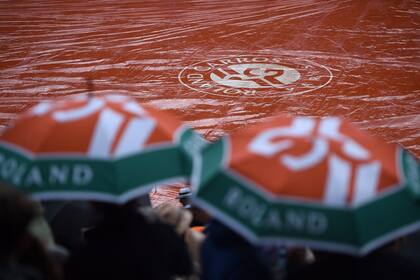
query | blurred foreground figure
[181, 220]
[129, 245]
[227, 256]
[184, 197]
[384, 263]
[200, 218]
[67, 219]
[22, 255]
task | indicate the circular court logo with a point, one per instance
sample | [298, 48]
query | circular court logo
[255, 76]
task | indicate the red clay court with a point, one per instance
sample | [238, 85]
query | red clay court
[222, 65]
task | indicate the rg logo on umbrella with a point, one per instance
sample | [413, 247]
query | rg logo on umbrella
[349, 167]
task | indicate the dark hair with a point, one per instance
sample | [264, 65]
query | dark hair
[16, 213]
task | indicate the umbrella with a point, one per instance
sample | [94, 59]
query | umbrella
[106, 148]
[317, 182]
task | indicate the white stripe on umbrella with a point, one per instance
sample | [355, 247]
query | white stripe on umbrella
[106, 130]
[73, 114]
[367, 177]
[338, 181]
[135, 135]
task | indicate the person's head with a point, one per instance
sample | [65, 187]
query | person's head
[108, 209]
[184, 197]
[16, 213]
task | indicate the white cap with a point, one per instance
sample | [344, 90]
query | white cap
[184, 192]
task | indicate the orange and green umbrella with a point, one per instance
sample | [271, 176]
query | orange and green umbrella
[317, 182]
[107, 148]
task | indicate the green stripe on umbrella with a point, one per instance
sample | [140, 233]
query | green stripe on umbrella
[69, 173]
[266, 217]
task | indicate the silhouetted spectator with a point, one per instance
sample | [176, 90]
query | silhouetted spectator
[67, 219]
[22, 255]
[384, 263]
[180, 219]
[127, 245]
[200, 217]
[227, 256]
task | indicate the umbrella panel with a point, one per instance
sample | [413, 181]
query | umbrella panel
[264, 217]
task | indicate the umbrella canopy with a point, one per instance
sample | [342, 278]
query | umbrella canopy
[314, 182]
[107, 148]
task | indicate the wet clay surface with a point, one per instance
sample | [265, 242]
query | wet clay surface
[221, 66]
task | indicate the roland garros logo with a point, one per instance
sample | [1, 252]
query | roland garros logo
[255, 76]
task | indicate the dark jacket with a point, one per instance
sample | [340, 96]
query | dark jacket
[127, 246]
[382, 265]
[15, 271]
[227, 256]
